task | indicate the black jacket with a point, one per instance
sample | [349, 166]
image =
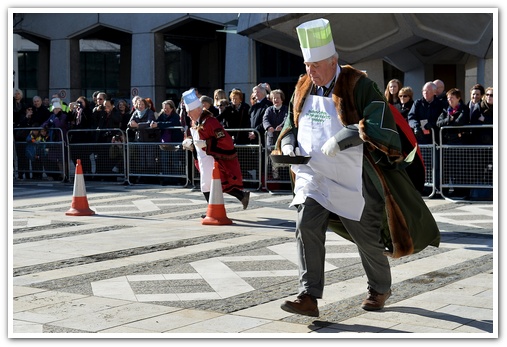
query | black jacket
[256, 114]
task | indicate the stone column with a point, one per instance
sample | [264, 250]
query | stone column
[60, 69]
[240, 65]
[143, 66]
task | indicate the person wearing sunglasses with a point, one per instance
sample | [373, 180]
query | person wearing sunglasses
[484, 117]
[476, 95]
[406, 97]
[487, 106]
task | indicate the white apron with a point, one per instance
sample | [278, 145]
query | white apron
[334, 182]
[205, 163]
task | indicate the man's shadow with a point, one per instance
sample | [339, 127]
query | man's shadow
[481, 325]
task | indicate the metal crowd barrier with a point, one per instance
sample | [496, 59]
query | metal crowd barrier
[168, 161]
[250, 160]
[449, 166]
[467, 165]
[430, 153]
[277, 176]
[39, 160]
[101, 152]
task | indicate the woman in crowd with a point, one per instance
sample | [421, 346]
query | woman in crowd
[392, 90]
[484, 117]
[169, 122]
[218, 95]
[143, 156]
[406, 97]
[456, 114]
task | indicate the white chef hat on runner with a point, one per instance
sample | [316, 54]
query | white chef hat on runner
[316, 40]
[191, 100]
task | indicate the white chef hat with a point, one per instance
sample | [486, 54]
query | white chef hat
[191, 100]
[316, 40]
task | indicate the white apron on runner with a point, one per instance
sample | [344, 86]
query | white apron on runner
[334, 182]
[205, 163]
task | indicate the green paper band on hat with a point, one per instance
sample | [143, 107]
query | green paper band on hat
[314, 36]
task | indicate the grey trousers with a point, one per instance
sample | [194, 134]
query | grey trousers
[311, 226]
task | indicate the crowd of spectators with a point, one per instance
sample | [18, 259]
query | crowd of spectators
[255, 121]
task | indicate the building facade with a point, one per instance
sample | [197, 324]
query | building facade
[159, 55]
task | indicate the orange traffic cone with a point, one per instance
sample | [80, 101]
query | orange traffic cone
[215, 215]
[79, 205]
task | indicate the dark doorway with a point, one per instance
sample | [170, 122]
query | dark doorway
[447, 73]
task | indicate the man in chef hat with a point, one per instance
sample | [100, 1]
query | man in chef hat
[354, 183]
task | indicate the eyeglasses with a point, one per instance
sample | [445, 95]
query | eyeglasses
[489, 94]
[403, 96]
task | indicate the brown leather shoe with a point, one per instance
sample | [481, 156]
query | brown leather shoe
[305, 304]
[374, 300]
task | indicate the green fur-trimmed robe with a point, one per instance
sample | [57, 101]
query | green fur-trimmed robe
[408, 225]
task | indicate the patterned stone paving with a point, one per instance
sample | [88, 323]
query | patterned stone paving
[146, 245]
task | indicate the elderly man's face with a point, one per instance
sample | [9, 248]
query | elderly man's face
[259, 94]
[195, 113]
[428, 93]
[37, 103]
[321, 72]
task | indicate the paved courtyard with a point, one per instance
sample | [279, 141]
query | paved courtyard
[144, 264]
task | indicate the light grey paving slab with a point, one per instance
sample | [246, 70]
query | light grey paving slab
[417, 301]
[117, 287]
[360, 324]
[464, 289]
[23, 327]
[485, 280]
[117, 331]
[489, 293]
[343, 290]
[222, 324]
[173, 320]
[270, 310]
[113, 317]
[281, 328]
[162, 297]
[68, 309]
[420, 330]
[21, 291]
[46, 298]
[216, 273]
[419, 317]
[468, 312]
[196, 332]
[449, 296]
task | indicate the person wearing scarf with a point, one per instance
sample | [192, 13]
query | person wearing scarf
[456, 114]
